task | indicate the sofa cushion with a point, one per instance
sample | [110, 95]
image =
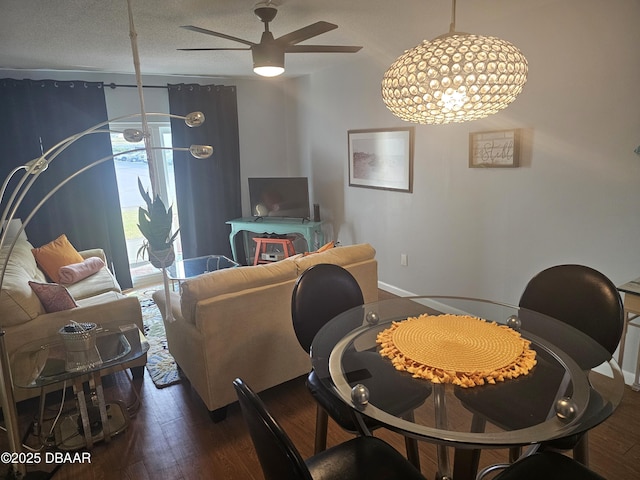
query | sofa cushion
[347, 255]
[56, 254]
[231, 280]
[53, 296]
[103, 298]
[100, 282]
[18, 302]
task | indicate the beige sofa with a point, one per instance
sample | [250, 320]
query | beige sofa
[23, 318]
[237, 323]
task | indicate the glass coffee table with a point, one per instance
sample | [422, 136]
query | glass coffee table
[181, 270]
[45, 362]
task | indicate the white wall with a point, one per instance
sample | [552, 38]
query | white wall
[485, 232]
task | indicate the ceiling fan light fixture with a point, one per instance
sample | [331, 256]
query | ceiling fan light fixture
[269, 71]
[268, 60]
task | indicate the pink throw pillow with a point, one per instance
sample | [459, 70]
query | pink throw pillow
[75, 272]
[54, 297]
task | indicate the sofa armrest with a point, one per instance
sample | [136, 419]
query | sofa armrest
[94, 252]
[122, 311]
[111, 314]
[161, 302]
[115, 313]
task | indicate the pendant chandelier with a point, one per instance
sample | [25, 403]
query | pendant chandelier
[456, 77]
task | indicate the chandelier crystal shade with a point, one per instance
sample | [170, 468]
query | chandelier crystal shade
[456, 77]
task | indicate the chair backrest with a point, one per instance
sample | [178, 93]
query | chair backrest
[580, 296]
[320, 293]
[279, 458]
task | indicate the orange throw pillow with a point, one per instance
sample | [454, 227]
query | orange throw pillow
[323, 248]
[56, 254]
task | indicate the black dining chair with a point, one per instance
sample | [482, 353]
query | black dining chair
[546, 465]
[588, 301]
[367, 458]
[322, 292]
[581, 297]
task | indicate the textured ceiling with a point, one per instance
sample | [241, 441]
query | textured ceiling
[93, 35]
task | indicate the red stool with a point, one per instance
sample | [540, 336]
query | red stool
[262, 243]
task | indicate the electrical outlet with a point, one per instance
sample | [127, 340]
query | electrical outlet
[404, 259]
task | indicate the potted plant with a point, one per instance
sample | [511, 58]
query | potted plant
[155, 225]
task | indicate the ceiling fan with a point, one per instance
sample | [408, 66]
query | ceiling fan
[268, 55]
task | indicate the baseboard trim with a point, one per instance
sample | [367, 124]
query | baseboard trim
[395, 290]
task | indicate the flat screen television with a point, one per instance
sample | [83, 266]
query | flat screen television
[279, 197]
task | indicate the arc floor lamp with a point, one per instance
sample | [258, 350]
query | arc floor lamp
[32, 170]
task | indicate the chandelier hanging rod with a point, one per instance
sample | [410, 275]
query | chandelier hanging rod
[452, 25]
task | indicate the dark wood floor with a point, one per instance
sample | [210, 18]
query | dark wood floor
[172, 437]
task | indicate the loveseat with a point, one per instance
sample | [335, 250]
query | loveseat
[237, 322]
[23, 316]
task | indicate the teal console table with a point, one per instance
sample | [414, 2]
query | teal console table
[311, 231]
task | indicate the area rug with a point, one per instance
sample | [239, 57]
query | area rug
[161, 365]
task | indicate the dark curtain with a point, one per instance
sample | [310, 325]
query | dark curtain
[37, 114]
[207, 191]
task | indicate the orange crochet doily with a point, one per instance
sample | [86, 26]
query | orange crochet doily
[459, 349]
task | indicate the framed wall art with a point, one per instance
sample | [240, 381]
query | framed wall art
[381, 158]
[495, 149]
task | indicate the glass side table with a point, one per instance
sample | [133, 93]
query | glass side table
[181, 270]
[45, 362]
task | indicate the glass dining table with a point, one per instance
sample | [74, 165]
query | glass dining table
[574, 385]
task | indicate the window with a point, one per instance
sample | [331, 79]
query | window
[159, 173]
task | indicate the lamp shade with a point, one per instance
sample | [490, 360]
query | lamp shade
[268, 59]
[456, 77]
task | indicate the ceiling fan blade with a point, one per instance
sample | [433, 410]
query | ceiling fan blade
[207, 49]
[216, 34]
[306, 33]
[322, 49]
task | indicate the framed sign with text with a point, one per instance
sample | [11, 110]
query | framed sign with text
[494, 149]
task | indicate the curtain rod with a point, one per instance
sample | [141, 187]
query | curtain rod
[114, 86]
